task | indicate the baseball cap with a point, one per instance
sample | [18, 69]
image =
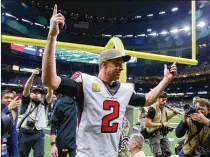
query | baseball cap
[113, 54]
[37, 89]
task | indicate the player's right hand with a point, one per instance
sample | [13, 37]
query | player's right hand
[54, 151]
[56, 20]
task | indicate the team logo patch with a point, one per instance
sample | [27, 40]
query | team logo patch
[96, 87]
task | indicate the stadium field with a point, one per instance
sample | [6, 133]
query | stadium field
[172, 138]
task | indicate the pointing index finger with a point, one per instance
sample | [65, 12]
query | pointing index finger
[55, 10]
[175, 63]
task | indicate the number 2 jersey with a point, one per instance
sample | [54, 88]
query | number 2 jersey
[100, 127]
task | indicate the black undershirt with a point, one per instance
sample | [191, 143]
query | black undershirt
[151, 112]
[72, 88]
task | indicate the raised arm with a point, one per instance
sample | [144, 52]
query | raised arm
[150, 98]
[49, 74]
[169, 74]
[29, 83]
[49, 95]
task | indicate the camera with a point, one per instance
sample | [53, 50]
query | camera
[189, 109]
[30, 124]
[166, 130]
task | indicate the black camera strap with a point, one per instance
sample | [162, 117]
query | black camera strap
[23, 119]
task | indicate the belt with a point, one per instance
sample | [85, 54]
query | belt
[157, 132]
[28, 131]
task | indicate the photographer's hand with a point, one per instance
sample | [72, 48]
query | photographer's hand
[165, 124]
[175, 112]
[184, 119]
[199, 117]
[14, 104]
[35, 72]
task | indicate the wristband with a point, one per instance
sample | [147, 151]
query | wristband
[52, 143]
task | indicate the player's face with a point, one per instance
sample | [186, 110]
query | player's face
[113, 68]
[36, 96]
[7, 98]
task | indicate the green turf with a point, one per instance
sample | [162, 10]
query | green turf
[46, 147]
[146, 148]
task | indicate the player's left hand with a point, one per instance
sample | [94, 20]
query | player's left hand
[170, 73]
[199, 117]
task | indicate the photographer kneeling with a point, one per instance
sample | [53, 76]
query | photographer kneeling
[196, 128]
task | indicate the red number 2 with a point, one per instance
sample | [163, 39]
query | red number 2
[106, 127]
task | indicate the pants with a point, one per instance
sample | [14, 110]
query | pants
[28, 141]
[64, 153]
[6, 155]
[160, 146]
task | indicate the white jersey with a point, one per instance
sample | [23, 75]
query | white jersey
[101, 122]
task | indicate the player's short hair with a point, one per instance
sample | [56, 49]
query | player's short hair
[204, 102]
[6, 91]
[163, 95]
[138, 139]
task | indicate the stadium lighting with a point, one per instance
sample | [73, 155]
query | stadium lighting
[149, 30]
[174, 9]
[186, 28]
[174, 31]
[150, 15]
[26, 21]
[118, 36]
[153, 34]
[163, 33]
[9, 15]
[162, 12]
[38, 24]
[128, 35]
[141, 35]
[106, 35]
[201, 24]
[137, 17]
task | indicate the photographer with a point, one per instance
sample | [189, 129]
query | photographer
[33, 119]
[156, 124]
[196, 128]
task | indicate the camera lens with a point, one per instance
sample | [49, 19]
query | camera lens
[187, 108]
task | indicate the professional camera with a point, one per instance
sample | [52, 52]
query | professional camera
[30, 124]
[189, 109]
[166, 130]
